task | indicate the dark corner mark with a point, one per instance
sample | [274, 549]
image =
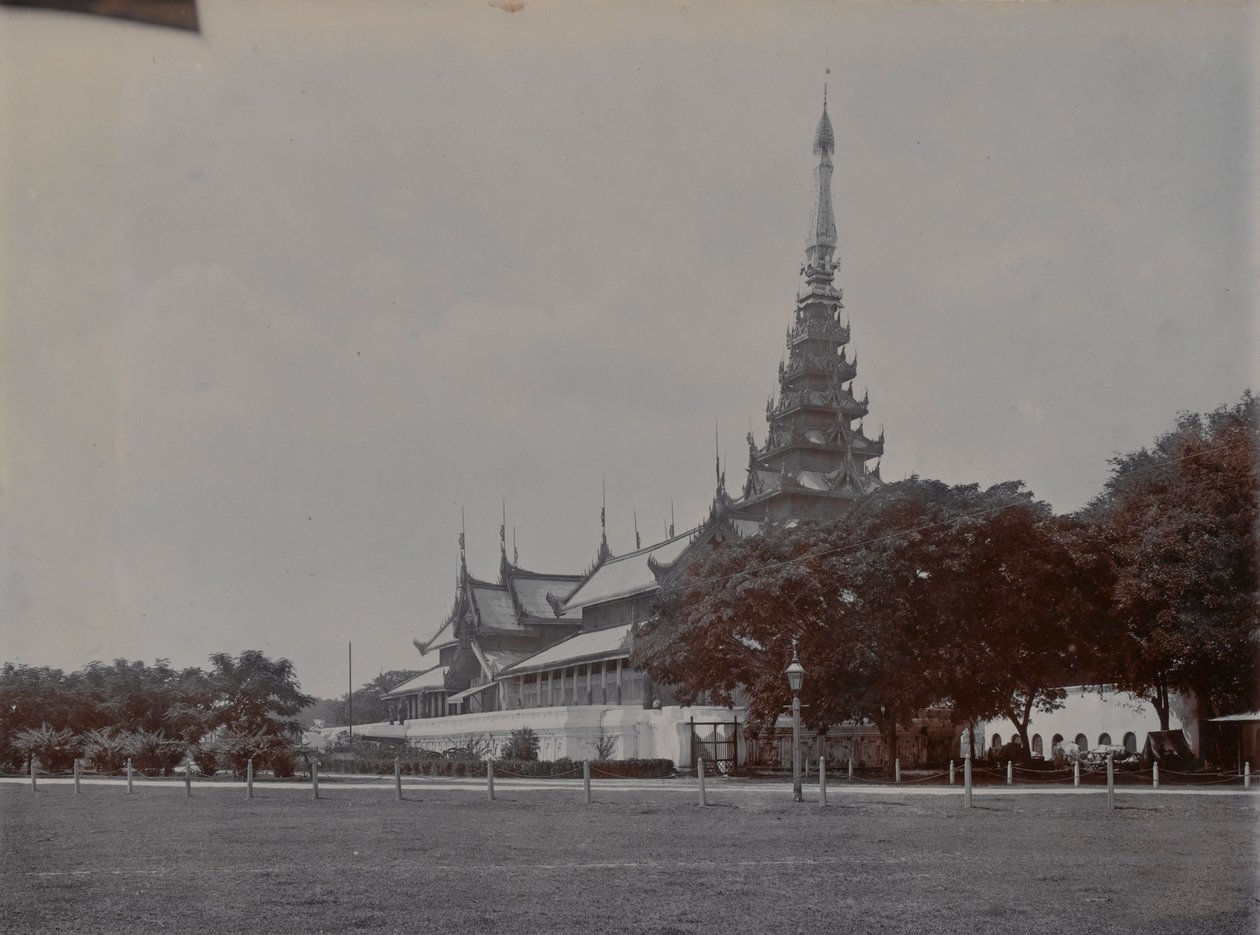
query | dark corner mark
[177, 14]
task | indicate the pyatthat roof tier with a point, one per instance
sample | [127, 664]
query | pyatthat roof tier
[494, 606]
[582, 647]
[629, 574]
[532, 590]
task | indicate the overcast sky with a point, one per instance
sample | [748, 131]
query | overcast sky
[277, 300]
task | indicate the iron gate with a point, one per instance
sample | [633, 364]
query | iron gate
[717, 742]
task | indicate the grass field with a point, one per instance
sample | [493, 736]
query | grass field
[640, 860]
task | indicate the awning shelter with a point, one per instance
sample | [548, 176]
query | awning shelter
[1168, 748]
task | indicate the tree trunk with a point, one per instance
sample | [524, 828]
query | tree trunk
[888, 736]
[1160, 701]
[1020, 719]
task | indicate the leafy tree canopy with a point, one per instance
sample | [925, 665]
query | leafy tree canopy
[1179, 520]
[921, 594]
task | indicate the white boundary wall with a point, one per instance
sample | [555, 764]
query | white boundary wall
[1092, 713]
[642, 733]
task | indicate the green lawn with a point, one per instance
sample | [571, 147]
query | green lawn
[636, 861]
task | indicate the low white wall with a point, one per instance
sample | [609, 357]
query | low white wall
[642, 733]
[1085, 711]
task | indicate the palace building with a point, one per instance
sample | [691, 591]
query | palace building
[551, 651]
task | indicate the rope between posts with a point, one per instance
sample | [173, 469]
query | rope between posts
[356, 782]
[1177, 772]
[1052, 779]
[905, 782]
[512, 775]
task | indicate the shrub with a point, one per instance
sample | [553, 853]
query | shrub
[206, 756]
[105, 750]
[521, 745]
[633, 769]
[605, 746]
[282, 759]
[237, 748]
[153, 753]
[473, 747]
[54, 750]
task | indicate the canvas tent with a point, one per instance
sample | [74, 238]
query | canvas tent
[1168, 748]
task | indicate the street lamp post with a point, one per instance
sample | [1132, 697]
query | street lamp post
[796, 675]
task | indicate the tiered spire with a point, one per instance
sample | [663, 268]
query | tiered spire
[813, 462]
[822, 222]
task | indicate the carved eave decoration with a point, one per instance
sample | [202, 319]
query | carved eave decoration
[557, 604]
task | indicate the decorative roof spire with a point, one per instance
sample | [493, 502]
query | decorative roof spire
[503, 532]
[637, 543]
[822, 221]
[604, 551]
[463, 562]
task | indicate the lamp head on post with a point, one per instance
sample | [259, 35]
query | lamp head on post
[795, 672]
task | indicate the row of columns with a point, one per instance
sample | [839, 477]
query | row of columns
[545, 688]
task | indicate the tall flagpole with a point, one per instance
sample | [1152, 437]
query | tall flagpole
[350, 679]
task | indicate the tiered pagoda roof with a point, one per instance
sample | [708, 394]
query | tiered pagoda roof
[814, 460]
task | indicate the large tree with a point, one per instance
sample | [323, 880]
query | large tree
[255, 695]
[855, 595]
[1018, 595]
[922, 594]
[1180, 520]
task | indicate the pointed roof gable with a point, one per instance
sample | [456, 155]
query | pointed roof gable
[625, 575]
[581, 647]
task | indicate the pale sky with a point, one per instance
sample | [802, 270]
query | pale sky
[277, 300]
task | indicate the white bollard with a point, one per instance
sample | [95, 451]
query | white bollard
[249, 778]
[1076, 772]
[489, 780]
[1247, 775]
[822, 781]
[314, 779]
[1155, 776]
[967, 781]
[897, 771]
[76, 775]
[188, 776]
[951, 772]
[850, 769]
[1010, 773]
[700, 776]
[129, 775]
[32, 772]
[398, 778]
[586, 780]
[1111, 782]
